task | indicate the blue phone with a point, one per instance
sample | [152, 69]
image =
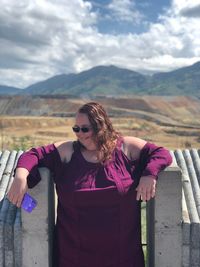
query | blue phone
[28, 203]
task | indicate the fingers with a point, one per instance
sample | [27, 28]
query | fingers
[148, 195]
[146, 189]
[19, 201]
[153, 191]
[15, 199]
[139, 194]
[17, 191]
[144, 195]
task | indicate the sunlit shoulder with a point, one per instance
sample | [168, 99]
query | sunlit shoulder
[132, 146]
[65, 150]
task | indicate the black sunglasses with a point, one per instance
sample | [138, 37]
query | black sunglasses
[77, 129]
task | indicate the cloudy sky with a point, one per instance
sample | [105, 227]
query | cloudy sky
[43, 38]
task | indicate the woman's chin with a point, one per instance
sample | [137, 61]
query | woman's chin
[86, 142]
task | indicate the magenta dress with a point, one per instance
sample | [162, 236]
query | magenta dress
[98, 216]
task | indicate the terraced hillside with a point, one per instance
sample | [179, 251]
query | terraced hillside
[170, 121]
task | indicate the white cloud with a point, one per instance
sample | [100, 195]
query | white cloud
[37, 36]
[40, 38]
[124, 10]
[181, 6]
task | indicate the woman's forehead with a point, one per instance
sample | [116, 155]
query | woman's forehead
[82, 118]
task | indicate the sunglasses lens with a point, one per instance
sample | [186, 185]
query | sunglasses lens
[85, 130]
[76, 129]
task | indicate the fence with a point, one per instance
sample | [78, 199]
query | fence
[173, 227]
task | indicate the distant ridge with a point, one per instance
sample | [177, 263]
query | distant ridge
[184, 80]
[100, 80]
[115, 81]
[9, 90]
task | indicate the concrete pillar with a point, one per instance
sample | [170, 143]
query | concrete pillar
[18, 239]
[186, 223]
[37, 227]
[168, 219]
[191, 195]
[7, 210]
[150, 212]
[185, 233]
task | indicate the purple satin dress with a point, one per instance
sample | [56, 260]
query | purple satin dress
[98, 216]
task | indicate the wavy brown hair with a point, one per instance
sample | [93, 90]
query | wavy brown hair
[105, 136]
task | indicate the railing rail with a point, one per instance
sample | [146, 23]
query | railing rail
[173, 224]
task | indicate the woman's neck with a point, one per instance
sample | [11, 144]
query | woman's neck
[91, 148]
[90, 154]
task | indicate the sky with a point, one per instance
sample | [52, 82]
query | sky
[43, 38]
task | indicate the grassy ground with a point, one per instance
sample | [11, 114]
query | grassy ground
[25, 132]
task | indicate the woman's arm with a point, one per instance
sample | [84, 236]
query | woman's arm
[18, 187]
[152, 159]
[132, 146]
[50, 156]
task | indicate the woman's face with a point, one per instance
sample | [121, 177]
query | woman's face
[86, 138]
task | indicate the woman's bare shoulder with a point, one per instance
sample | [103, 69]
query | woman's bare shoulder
[134, 141]
[133, 145]
[65, 149]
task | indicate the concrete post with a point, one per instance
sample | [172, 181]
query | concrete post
[191, 195]
[150, 215]
[37, 227]
[168, 219]
[185, 233]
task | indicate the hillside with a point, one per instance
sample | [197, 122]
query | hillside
[180, 109]
[112, 81]
[27, 121]
[182, 81]
[101, 80]
[8, 90]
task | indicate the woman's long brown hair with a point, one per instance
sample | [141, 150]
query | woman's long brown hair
[105, 136]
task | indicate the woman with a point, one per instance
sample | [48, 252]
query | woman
[99, 179]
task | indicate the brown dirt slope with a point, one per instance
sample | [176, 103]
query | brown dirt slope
[170, 121]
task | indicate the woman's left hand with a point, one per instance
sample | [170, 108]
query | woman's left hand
[146, 188]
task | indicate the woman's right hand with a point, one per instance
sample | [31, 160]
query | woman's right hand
[19, 187]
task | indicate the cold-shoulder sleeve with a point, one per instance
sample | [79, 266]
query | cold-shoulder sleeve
[154, 159]
[45, 156]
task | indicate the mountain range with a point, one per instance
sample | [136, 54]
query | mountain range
[115, 81]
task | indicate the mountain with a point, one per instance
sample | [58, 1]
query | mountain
[101, 80]
[183, 81]
[8, 90]
[54, 85]
[115, 81]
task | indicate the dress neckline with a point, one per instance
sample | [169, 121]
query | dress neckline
[89, 162]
